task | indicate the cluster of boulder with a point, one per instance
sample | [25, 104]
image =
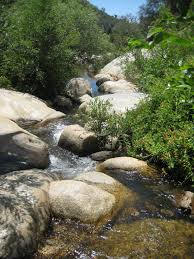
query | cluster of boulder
[30, 197]
[111, 81]
[76, 92]
[20, 149]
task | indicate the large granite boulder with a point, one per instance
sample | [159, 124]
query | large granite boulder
[126, 164]
[77, 87]
[24, 207]
[116, 68]
[120, 86]
[78, 200]
[78, 140]
[18, 106]
[20, 149]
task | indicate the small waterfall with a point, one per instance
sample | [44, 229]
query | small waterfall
[64, 161]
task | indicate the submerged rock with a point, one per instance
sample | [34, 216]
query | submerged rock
[24, 207]
[124, 164]
[147, 238]
[19, 106]
[21, 149]
[78, 200]
[78, 140]
[77, 87]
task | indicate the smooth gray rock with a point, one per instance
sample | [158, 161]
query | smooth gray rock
[78, 200]
[100, 180]
[102, 78]
[126, 164]
[121, 102]
[116, 68]
[78, 140]
[85, 98]
[25, 211]
[20, 148]
[19, 106]
[77, 87]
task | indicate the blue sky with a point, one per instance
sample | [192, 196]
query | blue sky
[119, 7]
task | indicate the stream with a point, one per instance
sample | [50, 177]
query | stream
[147, 226]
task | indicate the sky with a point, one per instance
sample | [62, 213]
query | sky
[119, 7]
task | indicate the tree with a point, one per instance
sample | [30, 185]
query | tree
[44, 40]
[150, 11]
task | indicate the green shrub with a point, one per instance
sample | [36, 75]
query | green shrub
[162, 126]
[4, 82]
[106, 124]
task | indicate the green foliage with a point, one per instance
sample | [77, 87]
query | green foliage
[162, 126]
[5, 83]
[106, 124]
[44, 42]
[150, 11]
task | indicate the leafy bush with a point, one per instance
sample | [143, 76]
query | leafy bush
[162, 127]
[106, 124]
[4, 82]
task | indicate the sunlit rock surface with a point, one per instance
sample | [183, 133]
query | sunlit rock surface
[19, 106]
[78, 200]
[100, 180]
[101, 78]
[116, 68]
[78, 140]
[120, 86]
[124, 164]
[77, 87]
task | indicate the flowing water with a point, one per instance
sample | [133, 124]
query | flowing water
[147, 226]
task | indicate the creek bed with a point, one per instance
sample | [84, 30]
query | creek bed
[147, 226]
